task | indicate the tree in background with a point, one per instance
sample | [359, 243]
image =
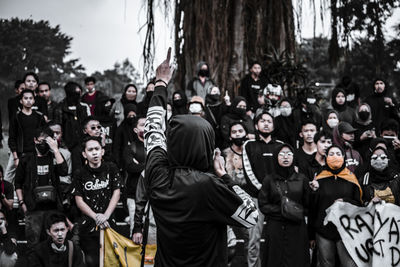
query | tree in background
[27, 45]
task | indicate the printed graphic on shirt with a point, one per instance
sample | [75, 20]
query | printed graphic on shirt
[155, 128]
[247, 213]
[42, 169]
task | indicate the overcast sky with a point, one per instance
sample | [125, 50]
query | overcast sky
[106, 31]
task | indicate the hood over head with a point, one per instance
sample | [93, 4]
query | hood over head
[190, 143]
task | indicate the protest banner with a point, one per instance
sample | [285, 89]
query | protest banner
[370, 234]
[121, 251]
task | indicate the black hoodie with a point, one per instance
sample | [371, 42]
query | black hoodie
[191, 205]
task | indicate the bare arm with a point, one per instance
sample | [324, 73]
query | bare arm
[84, 208]
[113, 203]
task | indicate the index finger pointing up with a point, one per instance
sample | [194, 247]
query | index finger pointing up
[168, 55]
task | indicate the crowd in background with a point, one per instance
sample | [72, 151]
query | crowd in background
[81, 155]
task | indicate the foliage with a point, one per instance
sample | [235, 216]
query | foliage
[26, 45]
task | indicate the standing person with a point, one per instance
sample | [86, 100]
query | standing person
[144, 105]
[70, 113]
[352, 91]
[44, 91]
[134, 159]
[383, 107]
[272, 93]
[346, 113]
[343, 136]
[365, 130]
[191, 206]
[257, 163]
[311, 168]
[6, 193]
[21, 132]
[97, 190]
[179, 103]
[13, 102]
[252, 84]
[305, 153]
[331, 120]
[92, 95]
[202, 84]
[37, 184]
[285, 123]
[286, 239]
[381, 181]
[31, 81]
[128, 97]
[57, 250]
[334, 183]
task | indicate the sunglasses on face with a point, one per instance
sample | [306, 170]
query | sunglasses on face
[95, 127]
[382, 157]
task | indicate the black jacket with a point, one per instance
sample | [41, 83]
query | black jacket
[123, 136]
[26, 177]
[191, 206]
[134, 157]
[249, 89]
[16, 136]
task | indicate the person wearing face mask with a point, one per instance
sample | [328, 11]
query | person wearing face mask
[331, 120]
[272, 94]
[179, 103]
[252, 84]
[381, 181]
[338, 101]
[352, 91]
[202, 84]
[128, 97]
[343, 136]
[258, 161]
[285, 123]
[308, 109]
[144, 104]
[334, 183]
[196, 106]
[365, 130]
[124, 134]
[133, 163]
[383, 106]
[237, 112]
[37, 184]
[286, 239]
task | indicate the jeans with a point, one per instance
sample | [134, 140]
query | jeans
[131, 209]
[253, 259]
[327, 250]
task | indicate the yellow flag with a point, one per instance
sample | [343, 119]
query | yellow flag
[121, 251]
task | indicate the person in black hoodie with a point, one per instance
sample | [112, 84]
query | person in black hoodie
[179, 103]
[237, 112]
[191, 206]
[285, 123]
[365, 130]
[352, 91]
[381, 181]
[334, 183]
[286, 240]
[346, 113]
[382, 106]
[128, 98]
[144, 104]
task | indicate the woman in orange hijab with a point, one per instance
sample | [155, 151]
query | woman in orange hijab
[334, 183]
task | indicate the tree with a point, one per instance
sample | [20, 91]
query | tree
[27, 45]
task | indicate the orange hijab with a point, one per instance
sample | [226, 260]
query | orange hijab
[345, 174]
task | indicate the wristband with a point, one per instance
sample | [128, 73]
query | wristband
[21, 202]
[159, 80]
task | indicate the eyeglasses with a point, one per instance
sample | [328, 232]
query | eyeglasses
[95, 127]
[382, 157]
[282, 154]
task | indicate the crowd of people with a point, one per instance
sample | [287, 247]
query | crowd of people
[72, 160]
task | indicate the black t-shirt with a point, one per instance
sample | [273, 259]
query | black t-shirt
[7, 189]
[43, 165]
[28, 123]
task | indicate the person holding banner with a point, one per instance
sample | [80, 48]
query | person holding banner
[334, 183]
[192, 206]
[381, 181]
[286, 237]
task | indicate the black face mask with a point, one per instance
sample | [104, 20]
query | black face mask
[364, 115]
[214, 98]
[265, 135]
[239, 111]
[149, 95]
[179, 103]
[239, 141]
[130, 120]
[204, 73]
[43, 148]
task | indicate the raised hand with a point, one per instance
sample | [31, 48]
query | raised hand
[164, 70]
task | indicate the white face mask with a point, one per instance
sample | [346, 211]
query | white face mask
[285, 111]
[333, 122]
[195, 108]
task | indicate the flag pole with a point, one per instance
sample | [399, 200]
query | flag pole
[145, 235]
[101, 262]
